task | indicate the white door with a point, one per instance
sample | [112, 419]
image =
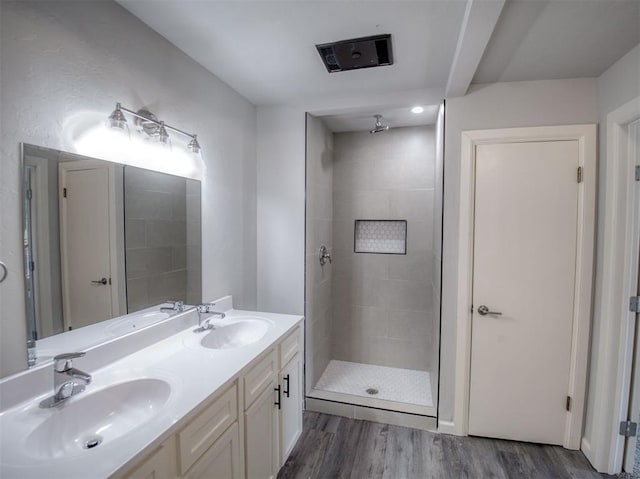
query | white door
[631, 446]
[633, 413]
[85, 245]
[525, 236]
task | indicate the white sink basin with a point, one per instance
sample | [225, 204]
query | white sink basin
[134, 322]
[229, 335]
[90, 420]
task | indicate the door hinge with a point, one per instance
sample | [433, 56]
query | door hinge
[64, 192]
[579, 174]
[29, 194]
[637, 172]
[32, 265]
[634, 304]
[568, 403]
[628, 429]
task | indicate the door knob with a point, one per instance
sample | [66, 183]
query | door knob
[3, 276]
[483, 311]
[100, 281]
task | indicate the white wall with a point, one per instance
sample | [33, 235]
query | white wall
[497, 105]
[615, 87]
[59, 59]
[281, 203]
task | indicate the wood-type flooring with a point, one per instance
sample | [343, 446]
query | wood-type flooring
[333, 447]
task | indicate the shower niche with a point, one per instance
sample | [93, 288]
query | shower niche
[380, 236]
[373, 312]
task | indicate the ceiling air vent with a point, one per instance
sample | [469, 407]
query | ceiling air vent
[365, 52]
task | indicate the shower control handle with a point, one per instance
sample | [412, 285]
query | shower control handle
[484, 310]
[324, 255]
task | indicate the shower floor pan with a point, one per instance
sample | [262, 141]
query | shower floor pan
[403, 390]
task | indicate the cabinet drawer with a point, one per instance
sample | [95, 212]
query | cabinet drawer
[206, 428]
[259, 378]
[289, 347]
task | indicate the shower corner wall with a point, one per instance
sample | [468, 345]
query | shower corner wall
[319, 218]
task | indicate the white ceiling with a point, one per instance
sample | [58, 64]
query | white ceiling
[265, 49]
[546, 40]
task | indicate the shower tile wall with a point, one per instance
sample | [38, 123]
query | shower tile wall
[383, 307]
[318, 232]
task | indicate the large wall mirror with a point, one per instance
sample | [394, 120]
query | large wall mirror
[102, 240]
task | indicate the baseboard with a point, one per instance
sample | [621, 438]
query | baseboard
[585, 447]
[372, 402]
[352, 411]
[447, 427]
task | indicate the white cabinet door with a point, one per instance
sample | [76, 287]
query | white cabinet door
[161, 464]
[222, 460]
[207, 428]
[261, 435]
[291, 412]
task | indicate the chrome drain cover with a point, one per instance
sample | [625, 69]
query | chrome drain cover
[372, 391]
[93, 442]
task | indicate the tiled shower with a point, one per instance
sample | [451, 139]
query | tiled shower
[373, 314]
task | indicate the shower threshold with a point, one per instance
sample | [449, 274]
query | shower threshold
[394, 389]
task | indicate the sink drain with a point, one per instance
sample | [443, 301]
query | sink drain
[372, 391]
[93, 442]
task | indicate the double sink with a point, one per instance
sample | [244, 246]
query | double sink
[117, 403]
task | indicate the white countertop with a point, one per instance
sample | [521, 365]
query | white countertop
[195, 374]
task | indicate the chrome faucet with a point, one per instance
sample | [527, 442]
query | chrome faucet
[67, 380]
[176, 306]
[203, 309]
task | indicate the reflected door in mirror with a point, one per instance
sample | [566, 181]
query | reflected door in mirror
[86, 204]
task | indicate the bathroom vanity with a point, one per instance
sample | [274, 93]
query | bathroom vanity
[165, 401]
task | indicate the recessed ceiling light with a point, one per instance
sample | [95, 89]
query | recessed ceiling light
[417, 109]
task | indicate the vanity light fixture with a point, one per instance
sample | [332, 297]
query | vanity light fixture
[150, 125]
[194, 145]
[417, 109]
[117, 118]
[163, 136]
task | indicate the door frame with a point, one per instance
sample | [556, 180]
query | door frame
[63, 167]
[613, 352]
[586, 137]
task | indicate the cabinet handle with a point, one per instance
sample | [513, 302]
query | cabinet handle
[286, 381]
[278, 401]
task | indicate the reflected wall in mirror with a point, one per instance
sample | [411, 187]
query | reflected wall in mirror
[162, 237]
[102, 240]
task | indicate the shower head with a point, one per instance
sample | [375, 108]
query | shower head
[379, 126]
